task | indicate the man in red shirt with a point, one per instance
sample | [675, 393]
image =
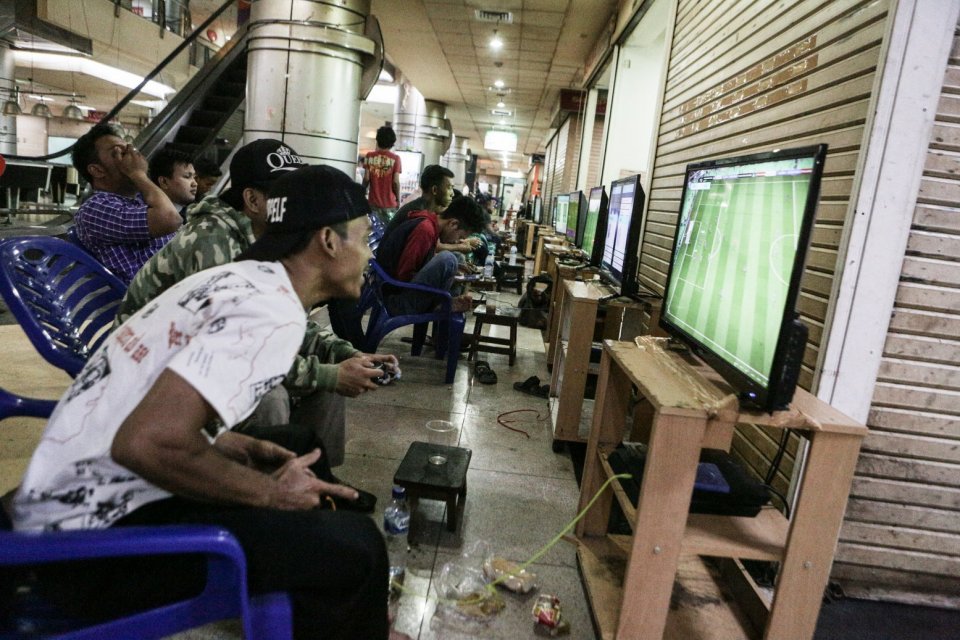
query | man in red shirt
[383, 175]
[409, 253]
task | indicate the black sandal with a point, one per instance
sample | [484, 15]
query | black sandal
[483, 372]
[530, 385]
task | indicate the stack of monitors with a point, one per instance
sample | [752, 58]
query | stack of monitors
[622, 239]
[735, 270]
[593, 225]
[560, 209]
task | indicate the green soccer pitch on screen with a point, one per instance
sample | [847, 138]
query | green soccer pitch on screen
[738, 254]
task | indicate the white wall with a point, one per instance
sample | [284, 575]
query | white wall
[632, 108]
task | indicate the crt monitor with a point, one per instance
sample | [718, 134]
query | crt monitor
[593, 225]
[575, 209]
[622, 239]
[736, 264]
[560, 213]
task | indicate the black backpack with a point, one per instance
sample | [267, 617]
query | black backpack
[534, 303]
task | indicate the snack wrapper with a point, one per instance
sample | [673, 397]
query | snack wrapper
[510, 575]
[546, 614]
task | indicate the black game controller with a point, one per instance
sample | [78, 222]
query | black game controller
[384, 378]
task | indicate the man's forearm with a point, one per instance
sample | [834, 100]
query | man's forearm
[162, 215]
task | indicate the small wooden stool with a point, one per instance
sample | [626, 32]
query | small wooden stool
[504, 316]
[447, 482]
[511, 274]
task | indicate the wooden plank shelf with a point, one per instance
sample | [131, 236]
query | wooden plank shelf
[688, 408]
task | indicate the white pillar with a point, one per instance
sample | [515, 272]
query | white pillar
[8, 124]
[420, 124]
[304, 77]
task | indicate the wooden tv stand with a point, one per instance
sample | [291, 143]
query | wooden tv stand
[574, 324]
[690, 408]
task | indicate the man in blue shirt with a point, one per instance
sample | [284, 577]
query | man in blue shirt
[128, 218]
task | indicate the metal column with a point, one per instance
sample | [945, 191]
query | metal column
[421, 125]
[456, 160]
[304, 76]
[8, 124]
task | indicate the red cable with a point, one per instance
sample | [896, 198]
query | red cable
[506, 413]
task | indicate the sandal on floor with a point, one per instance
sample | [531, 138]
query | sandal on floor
[543, 391]
[483, 372]
[530, 385]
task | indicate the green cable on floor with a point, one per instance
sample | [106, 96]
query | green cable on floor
[491, 587]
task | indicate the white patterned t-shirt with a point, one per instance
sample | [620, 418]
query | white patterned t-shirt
[231, 332]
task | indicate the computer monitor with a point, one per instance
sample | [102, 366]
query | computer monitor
[735, 270]
[537, 209]
[593, 225]
[560, 213]
[574, 211]
[622, 239]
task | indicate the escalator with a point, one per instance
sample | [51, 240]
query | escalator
[208, 111]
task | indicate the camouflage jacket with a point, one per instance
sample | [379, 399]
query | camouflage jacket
[214, 234]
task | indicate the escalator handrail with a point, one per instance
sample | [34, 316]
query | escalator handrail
[133, 92]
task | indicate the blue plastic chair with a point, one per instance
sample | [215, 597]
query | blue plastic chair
[447, 324]
[64, 299]
[13, 405]
[225, 596]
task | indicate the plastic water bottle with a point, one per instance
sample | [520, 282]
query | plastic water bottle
[488, 266]
[396, 526]
[513, 255]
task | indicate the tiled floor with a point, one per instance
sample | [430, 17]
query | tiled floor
[520, 494]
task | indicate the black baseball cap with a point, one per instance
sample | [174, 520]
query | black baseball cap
[303, 201]
[258, 165]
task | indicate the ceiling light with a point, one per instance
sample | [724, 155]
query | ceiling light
[79, 64]
[12, 106]
[495, 41]
[41, 109]
[73, 111]
[499, 84]
[500, 140]
[501, 104]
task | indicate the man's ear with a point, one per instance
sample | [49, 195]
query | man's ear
[254, 200]
[96, 170]
[328, 239]
[163, 181]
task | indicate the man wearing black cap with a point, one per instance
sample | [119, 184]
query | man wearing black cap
[129, 436]
[327, 369]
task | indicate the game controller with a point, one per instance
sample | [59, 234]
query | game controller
[389, 374]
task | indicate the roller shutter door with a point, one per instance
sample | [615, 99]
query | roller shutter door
[901, 536]
[749, 75]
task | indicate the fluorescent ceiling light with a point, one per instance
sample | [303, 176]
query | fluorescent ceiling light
[500, 141]
[385, 93]
[78, 64]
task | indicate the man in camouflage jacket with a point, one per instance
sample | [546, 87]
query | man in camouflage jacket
[218, 228]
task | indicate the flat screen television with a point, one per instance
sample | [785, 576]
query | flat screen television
[735, 269]
[593, 225]
[560, 213]
[622, 239]
[576, 209]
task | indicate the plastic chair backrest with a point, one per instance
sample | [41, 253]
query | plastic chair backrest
[448, 325]
[62, 297]
[376, 231]
[225, 595]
